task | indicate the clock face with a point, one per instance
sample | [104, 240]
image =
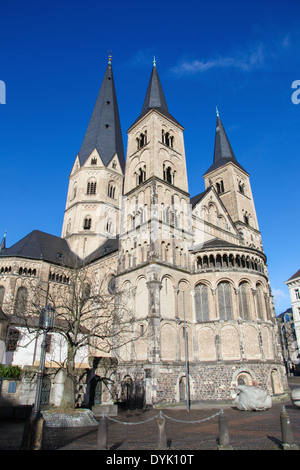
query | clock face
[111, 285]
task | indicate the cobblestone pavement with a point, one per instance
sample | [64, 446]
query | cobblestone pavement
[247, 430]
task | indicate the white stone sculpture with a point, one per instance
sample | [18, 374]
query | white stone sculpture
[252, 398]
[295, 397]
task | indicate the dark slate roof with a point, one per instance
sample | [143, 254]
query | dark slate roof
[109, 246]
[104, 130]
[155, 98]
[218, 243]
[223, 152]
[195, 199]
[295, 276]
[43, 246]
[215, 243]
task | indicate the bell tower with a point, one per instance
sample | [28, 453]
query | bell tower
[96, 180]
[232, 183]
[155, 213]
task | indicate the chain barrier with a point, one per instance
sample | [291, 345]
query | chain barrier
[132, 424]
[160, 415]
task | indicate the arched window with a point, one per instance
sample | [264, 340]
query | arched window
[242, 187]
[247, 218]
[87, 223]
[260, 301]
[109, 226]
[141, 175]
[111, 190]
[220, 187]
[142, 215]
[244, 301]
[141, 140]
[21, 301]
[91, 187]
[225, 301]
[201, 303]
[169, 175]
[167, 139]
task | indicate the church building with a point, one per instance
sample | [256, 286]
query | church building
[193, 267]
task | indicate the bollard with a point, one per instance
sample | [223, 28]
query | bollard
[27, 434]
[224, 440]
[38, 433]
[33, 433]
[286, 431]
[102, 433]
[162, 434]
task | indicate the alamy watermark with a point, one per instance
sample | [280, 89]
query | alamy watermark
[2, 92]
[296, 94]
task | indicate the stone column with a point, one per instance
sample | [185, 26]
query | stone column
[154, 286]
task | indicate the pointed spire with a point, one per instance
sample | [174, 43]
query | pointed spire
[104, 130]
[155, 98]
[223, 152]
[3, 243]
[223, 148]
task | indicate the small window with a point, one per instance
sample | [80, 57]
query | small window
[167, 139]
[169, 175]
[91, 187]
[220, 187]
[94, 161]
[242, 187]
[87, 223]
[111, 191]
[111, 285]
[12, 339]
[141, 175]
[297, 294]
[141, 140]
[109, 226]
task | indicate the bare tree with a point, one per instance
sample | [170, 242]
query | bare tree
[89, 316]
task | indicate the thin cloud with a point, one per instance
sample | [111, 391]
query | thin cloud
[279, 296]
[243, 62]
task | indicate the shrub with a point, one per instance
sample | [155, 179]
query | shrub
[10, 372]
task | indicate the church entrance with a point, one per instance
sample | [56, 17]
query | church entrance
[96, 391]
[132, 394]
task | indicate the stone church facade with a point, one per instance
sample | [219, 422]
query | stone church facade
[200, 299]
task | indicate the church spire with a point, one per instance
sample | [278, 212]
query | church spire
[223, 152]
[155, 98]
[104, 130]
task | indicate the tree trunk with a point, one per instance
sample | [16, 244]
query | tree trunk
[68, 399]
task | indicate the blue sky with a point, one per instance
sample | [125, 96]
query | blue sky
[240, 56]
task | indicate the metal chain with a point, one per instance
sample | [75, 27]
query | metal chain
[160, 415]
[196, 421]
[132, 424]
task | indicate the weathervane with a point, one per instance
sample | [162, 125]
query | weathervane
[154, 62]
[217, 111]
[109, 57]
